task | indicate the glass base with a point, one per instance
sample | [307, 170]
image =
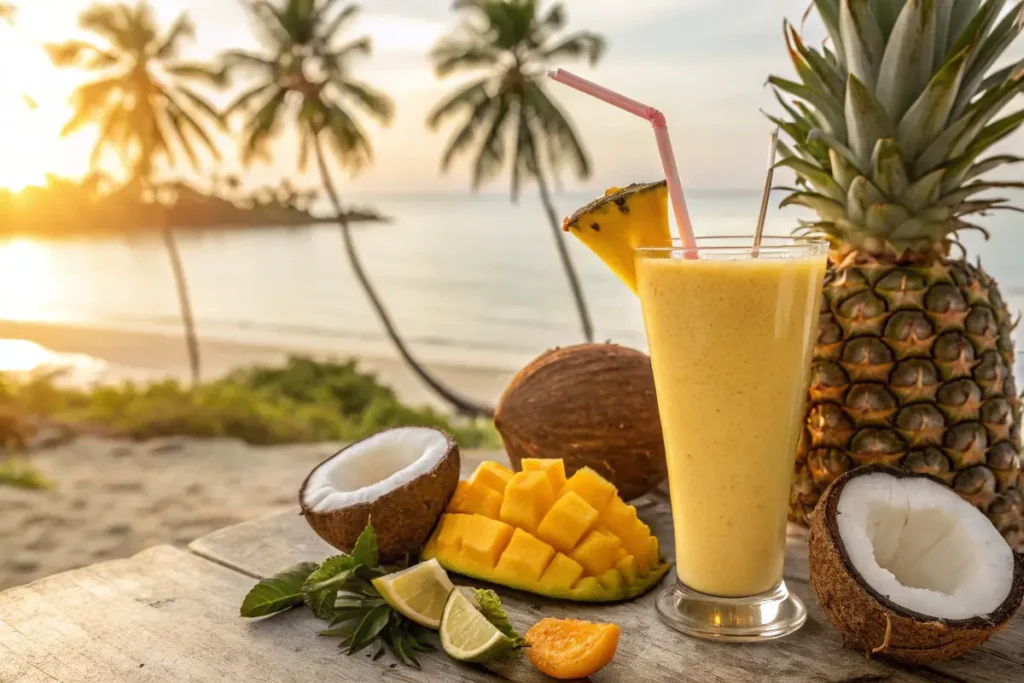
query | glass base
[767, 616]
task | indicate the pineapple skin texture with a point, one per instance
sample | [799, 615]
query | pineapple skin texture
[913, 368]
[546, 537]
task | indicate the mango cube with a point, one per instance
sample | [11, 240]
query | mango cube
[588, 585]
[627, 567]
[566, 522]
[562, 573]
[474, 498]
[597, 552]
[590, 486]
[493, 475]
[528, 498]
[537, 531]
[525, 558]
[611, 580]
[554, 469]
[484, 539]
[618, 517]
[450, 532]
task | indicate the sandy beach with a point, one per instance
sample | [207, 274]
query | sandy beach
[142, 355]
[114, 498]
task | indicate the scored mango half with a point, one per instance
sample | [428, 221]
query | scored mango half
[537, 531]
[624, 219]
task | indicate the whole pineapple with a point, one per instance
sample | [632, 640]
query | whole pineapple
[913, 365]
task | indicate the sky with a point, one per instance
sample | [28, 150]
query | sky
[702, 62]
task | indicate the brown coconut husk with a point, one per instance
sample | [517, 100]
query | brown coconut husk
[593, 405]
[868, 620]
[403, 518]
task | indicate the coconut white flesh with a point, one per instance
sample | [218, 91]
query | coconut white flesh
[920, 545]
[366, 470]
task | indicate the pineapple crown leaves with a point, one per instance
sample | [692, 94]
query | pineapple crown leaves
[890, 125]
[340, 590]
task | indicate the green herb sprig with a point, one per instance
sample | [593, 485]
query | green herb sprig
[340, 590]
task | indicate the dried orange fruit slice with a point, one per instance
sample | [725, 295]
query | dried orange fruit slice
[570, 648]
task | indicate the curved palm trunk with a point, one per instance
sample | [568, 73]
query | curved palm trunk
[462, 404]
[563, 252]
[185, 304]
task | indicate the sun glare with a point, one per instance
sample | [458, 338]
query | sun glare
[26, 279]
[33, 107]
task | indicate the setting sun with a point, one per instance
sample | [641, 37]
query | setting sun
[33, 108]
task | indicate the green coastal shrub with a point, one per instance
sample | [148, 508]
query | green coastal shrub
[303, 401]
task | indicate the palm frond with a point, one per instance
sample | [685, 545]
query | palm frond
[80, 54]
[181, 29]
[558, 134]
[471, 95]
[491, 153]
[347, 138]
[262, 127]
[372, 101]
[243, 100]
[360, 46]
[463, 138]
[455, 54]
[329, 30]
[198, 72]
[199, 103]
[90, 100]
[234, 62]
[112, 22]
[582, 44]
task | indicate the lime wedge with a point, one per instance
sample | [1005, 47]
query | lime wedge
[467, 636]
[419, 592]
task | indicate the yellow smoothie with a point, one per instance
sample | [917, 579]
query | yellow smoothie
[730, 341]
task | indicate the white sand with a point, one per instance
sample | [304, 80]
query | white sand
[115, 498]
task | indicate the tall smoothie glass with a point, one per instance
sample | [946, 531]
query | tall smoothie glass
[731, 328]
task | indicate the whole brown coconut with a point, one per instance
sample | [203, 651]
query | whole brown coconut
[400, 479]
[593, 405]
[875, 623]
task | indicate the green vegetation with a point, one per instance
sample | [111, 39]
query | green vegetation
[18, 473]
[304, 401]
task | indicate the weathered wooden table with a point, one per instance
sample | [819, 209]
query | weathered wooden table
[171, 615]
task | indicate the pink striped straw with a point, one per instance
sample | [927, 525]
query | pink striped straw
[657, 119]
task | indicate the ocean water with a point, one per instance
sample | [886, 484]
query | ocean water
[472, 279]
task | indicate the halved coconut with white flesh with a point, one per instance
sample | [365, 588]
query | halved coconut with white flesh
[903, 566]
[400, 479]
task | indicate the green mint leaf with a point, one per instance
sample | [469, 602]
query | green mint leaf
[370, 627]
[365, 550]
[277, 593]
[322, 603]
[490, 606]
[321, 587]
[331, 573]
[406, 654]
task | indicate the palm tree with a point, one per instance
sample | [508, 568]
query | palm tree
[145, 109]
[304, 78]
[511, 44]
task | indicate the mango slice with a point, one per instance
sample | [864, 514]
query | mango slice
[536, 531]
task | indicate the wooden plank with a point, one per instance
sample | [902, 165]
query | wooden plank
[649, 650]
[165, 616]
